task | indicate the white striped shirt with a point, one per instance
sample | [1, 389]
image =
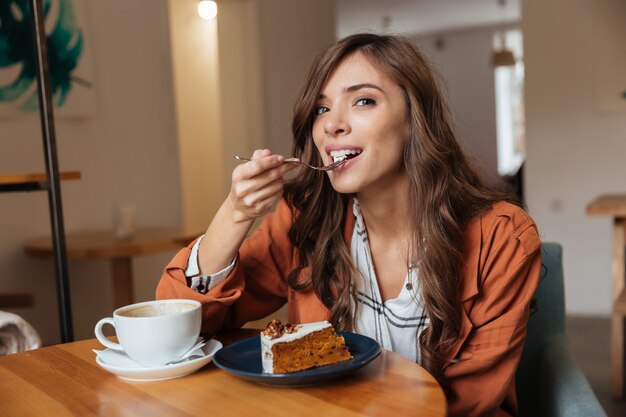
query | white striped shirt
[396, 323]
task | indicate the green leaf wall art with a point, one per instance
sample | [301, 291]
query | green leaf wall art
[65, 41]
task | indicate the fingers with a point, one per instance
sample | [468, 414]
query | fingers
[261, 152]
[246, 182]
[260, 201]
[262, 160]
[256, 185]
[262, 165]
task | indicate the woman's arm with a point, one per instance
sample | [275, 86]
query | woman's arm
[255, 288]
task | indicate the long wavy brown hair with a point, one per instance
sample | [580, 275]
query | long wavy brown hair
[445, 191]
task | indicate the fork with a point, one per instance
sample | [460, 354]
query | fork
[293, 161]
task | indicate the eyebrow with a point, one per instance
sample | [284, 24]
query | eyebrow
[357, 87]
[361, 86]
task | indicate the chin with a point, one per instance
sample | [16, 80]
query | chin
[343, 187]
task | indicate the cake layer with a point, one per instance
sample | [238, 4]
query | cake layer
[290, 348]
[316, 349]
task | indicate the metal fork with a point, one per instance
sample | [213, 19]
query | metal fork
[293, 161]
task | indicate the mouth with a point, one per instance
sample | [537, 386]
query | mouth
[344, 154]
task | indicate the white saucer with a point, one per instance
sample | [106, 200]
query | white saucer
[126, 368]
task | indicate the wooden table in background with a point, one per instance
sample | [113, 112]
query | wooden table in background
[615, 207]
[13, 178]
[64, 380]
[104, 245]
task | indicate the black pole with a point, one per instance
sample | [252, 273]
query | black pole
[52, 168]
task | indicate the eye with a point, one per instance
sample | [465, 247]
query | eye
[365, 102]
[320, 110]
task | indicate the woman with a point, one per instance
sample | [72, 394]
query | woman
[403, 243]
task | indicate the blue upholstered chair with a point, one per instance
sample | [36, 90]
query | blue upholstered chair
[548, 381]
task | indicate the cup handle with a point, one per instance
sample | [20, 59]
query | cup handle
[102, 338]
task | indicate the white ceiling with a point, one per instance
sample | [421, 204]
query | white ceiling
[421, 16]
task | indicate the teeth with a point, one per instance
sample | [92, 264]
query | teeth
[343, 154]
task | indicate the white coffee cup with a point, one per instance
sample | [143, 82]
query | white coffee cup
[154, 333]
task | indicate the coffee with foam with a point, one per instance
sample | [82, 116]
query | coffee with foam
[157, 310]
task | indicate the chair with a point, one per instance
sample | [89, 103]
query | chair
[548, 381]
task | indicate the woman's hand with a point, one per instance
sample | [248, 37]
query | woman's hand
[257, 185]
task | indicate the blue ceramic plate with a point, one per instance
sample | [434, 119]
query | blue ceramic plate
[243, 359]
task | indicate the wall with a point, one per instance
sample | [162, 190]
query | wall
[423, 16]
[127, 153]
[463, 60]
[576, 137]
[241, 100]
[195, 62]
[291, 34]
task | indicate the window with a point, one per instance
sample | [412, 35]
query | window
[510, 105]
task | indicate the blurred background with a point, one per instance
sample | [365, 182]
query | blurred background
[160, 98]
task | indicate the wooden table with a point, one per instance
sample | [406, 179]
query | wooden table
[64, 380]
[26, 177]
[31, 181]
[615, 206]
[104, 245]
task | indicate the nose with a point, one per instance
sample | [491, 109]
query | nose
[336, 124]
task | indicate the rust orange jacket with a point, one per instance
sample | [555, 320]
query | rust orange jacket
[500, 273]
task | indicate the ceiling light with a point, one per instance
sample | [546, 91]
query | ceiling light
[502, 58]
[207, 9]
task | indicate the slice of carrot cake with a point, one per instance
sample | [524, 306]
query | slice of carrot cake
[291, 348]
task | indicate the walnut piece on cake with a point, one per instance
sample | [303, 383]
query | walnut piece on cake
[291, 348]
[276, 329]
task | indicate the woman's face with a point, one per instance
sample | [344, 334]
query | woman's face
[362, 113]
